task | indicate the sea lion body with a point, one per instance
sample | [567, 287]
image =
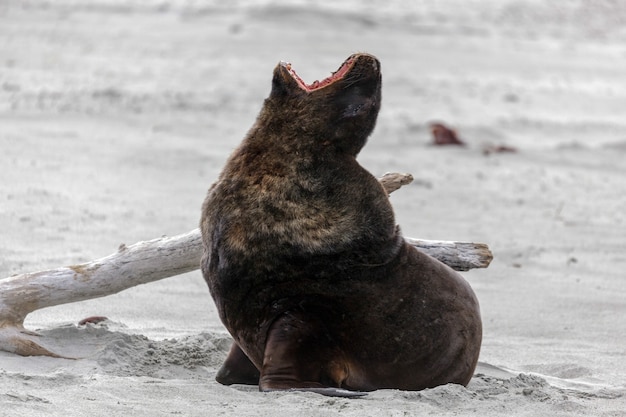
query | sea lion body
[306, 265]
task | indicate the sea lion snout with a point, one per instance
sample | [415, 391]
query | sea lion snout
[365, 65]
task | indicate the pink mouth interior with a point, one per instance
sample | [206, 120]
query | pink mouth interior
[316, 85]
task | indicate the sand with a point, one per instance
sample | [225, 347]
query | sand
[115, 117]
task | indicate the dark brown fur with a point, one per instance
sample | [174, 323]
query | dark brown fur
[307, 268]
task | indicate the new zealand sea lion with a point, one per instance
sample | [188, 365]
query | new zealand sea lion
[307, 268]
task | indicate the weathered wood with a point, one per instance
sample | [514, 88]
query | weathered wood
[130, 266]
[392, 181]
[461, 256]
[150, 261]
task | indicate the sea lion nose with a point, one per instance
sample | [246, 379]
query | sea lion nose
[373, 62]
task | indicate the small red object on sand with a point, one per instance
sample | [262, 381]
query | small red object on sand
[92, 320]
[442, 135]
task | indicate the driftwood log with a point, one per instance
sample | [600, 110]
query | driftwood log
[150, 261]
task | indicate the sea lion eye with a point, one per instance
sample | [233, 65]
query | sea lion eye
[355, 103]
[352, 110]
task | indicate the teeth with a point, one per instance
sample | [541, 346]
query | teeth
[315, 84]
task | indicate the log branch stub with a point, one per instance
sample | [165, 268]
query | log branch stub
[392, 181]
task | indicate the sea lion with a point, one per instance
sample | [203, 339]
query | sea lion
[305, 263]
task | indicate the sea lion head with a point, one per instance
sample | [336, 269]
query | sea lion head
[337, 113]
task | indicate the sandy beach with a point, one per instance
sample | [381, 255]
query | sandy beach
[116, 117]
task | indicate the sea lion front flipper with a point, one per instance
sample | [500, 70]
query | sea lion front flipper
[237, 369]
[300, 356]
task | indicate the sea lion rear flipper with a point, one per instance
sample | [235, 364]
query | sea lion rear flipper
[300, 356]
[237, 369]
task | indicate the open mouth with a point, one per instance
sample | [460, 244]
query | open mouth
[316, 85]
